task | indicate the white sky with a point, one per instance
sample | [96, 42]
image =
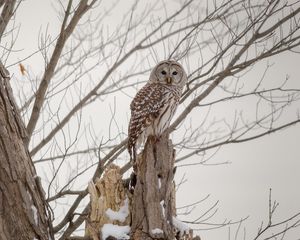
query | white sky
[241, 187]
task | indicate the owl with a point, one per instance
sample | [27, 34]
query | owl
[155, 104]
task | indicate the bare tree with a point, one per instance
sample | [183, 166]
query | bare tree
[90, 67]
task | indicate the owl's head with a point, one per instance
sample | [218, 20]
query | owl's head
[168, 72]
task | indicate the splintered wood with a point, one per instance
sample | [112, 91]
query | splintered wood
[108, 196]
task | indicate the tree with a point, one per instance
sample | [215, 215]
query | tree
[23, 207]
[86, 63]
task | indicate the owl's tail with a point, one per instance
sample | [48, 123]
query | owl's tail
[131, 150]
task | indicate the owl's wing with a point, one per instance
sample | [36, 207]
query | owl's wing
[147, 101]
[145, 107]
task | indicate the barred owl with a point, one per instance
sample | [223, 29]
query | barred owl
[155, 104]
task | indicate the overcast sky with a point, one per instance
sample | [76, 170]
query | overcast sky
[241, 186]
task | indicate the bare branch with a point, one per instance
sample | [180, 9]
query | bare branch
[65, 32]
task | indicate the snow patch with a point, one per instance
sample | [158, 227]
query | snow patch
[157, 231]
[33, 209]
[118, 232]
[162, 203]
[35, 216]
[159, 183]
[120, 215]
[182, 227]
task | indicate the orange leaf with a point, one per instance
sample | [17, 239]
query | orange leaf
[22, 69]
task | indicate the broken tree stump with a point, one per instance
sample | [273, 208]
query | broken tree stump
[110, 204]
[145, 209]
[153, 199]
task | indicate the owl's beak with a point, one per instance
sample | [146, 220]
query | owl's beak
[169, 80]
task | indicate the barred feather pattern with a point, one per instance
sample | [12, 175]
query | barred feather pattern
[151, 112]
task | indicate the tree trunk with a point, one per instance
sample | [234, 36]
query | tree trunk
[154, 198]
[22, 206]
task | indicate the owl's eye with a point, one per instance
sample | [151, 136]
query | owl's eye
[174, 73]
[163, 72]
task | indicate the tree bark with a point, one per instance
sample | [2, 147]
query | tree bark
[22, 207]
[153, 204]
[6, 14]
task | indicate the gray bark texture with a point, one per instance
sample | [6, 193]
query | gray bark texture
[6, 14]
[153, 203]
[22, 206]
